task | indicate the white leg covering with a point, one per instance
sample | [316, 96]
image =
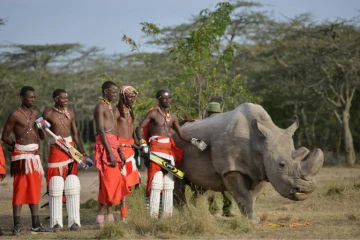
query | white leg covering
[156, 187]
[72, 193]
[167, 198]
[56, 189]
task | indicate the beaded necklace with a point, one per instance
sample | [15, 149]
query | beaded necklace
[167, 115]
[128, 117]
[28, 120]
[65, 112]
[108, 104]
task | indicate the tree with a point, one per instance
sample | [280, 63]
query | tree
[201, 62]
[313, 62]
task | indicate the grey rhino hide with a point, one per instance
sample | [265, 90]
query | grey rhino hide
[245, 150]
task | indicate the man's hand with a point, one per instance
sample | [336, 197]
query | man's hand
[89, 161]
[122, 157]
[41, 123]
[200, 144]
[144, 149]
[113, 161]
[2, 176]
[86, 162]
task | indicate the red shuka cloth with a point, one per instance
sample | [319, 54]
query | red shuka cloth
[112, 183]
[167, 148]
[26, 187]
[132, 173]
[2, 161]
[57, 156]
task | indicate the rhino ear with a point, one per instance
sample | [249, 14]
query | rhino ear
[260, 129]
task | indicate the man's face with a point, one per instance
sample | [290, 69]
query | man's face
[111, 93]
[129, 99]
[62, 100]
[165, 100]
[29, 99]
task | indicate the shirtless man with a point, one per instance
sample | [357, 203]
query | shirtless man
[124, 116]
[160, 122]
[106, 158]
[26, 165]
[62, 169]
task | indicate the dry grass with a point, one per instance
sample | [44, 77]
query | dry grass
[333, 211]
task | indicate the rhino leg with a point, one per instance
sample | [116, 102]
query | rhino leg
[179, 192]
[238, 185]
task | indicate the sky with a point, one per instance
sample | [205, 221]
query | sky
[102, 23]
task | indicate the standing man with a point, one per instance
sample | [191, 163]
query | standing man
[124, 116]
[26, 165]
[62, 169]
[112, 183]
[2, 171]
[161, 122]
[212, 109]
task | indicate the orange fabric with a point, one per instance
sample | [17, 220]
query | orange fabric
[27, 188]
[163, 148]
[123, 212]
[101, 156]
[132, 174]
[112, 186]
[132, 179]
[2, 161]
[57, 156]
[112, 183]
[127, 151]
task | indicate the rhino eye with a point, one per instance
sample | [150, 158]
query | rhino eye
[282, 165]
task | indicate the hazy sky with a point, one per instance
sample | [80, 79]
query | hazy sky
[102, 23]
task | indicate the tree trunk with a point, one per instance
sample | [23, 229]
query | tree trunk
[348, 140]
[337, 147]
[306, 128]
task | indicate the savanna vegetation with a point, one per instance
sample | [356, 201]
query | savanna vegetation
[331, 212]
[233, 54]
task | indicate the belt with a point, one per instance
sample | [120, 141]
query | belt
[160, 147]
[60, 164]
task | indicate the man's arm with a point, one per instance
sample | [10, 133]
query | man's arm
[8, 128]
[75, 132]
[178, 130]
[139, 129]
[99, 120]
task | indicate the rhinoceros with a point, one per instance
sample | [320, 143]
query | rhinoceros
[246, 149]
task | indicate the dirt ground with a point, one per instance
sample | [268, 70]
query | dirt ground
[333, 210]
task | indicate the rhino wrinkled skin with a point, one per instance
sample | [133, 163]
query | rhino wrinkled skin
[246, 149]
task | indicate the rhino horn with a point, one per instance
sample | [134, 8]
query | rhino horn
[312, 164]
[293, 126]
[300, 153]
[260, 129]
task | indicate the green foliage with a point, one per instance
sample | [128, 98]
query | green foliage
[186, 222]
[233, 54]
[201, 63]
[112, 231]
